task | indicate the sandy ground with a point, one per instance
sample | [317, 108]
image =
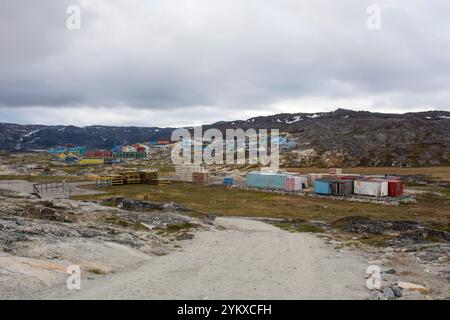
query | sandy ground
[245, 259]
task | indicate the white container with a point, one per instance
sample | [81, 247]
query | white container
[371, 187]
[294, 183]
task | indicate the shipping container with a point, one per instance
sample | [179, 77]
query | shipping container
[350, 177]
[305, 181]
[323, 186]
[312, 177]
[294, 183]
[228, 181]
[91, 161]
[201, 177]
[98, 154]
[395, 188]
[371, 187]
[266, 180]
[342, 187]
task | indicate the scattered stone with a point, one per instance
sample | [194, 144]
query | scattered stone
[389, 293]
[133, 205]
[377, 295]
[209, 219]
[139, 205]
[389, 280]
[390, 271]
[185, 236]
[407, 231]
[397, 291]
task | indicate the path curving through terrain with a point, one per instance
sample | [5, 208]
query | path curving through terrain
[245, 259]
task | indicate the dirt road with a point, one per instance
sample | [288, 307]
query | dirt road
[244, 260]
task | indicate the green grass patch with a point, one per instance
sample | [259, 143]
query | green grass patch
[114, 220]
[179, 227]
[96, 270]
[299, 227]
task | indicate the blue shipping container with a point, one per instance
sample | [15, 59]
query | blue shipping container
[323, 186]
[266, 180]
[228, 181]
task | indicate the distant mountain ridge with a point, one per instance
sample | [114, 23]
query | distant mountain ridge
[38, 137]
[342, 137]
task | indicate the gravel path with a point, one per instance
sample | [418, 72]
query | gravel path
[246, 260]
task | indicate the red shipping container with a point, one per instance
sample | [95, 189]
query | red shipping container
[98, 154]
[349, 177]
[395, 188]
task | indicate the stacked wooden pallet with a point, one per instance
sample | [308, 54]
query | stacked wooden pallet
[149, 177]
[132, 177]
[112, 180]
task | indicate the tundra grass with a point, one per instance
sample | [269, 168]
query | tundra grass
[235, 202]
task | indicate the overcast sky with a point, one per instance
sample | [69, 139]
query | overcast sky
[187, 62]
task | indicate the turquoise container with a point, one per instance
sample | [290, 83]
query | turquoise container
[323, 186]
[266, 180]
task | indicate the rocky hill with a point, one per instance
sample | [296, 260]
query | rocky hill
[39, 137]
[343, 137]
[361, 138]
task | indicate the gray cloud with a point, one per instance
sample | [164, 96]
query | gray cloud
[210, 60]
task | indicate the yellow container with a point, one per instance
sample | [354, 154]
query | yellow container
[85, 162]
